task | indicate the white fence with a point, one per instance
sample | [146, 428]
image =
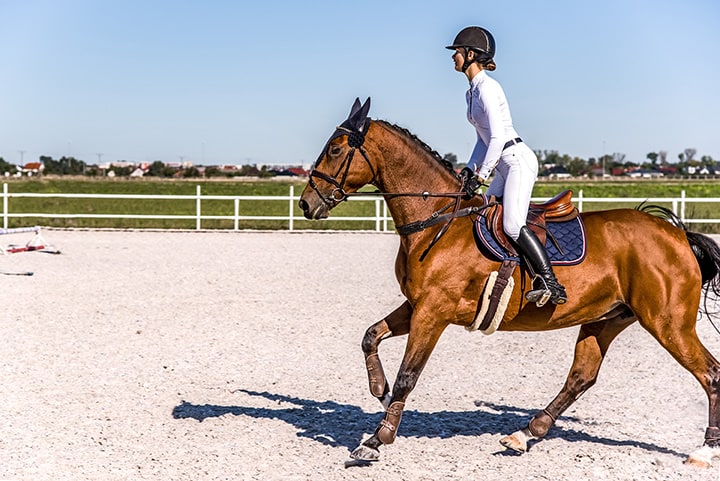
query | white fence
[382, 220]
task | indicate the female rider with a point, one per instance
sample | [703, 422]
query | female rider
[500, 149]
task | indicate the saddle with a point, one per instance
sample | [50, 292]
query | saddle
[557, 218]
[558, 209]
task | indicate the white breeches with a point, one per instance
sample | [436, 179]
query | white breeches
[515, 175]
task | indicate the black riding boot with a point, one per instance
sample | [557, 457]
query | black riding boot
[545, 285]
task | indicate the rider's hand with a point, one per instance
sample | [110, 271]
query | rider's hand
[470, 183]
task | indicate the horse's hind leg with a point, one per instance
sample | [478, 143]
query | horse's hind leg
[397, 323]
[681, 341]
[590, 348]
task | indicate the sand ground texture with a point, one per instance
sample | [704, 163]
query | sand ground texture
[212, 356]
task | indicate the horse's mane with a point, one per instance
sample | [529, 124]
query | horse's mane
[434, 153]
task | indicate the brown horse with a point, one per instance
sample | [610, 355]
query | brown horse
[638, 268]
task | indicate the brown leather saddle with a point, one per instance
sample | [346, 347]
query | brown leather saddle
[558, 209]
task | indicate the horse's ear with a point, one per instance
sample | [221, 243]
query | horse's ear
[357, 120]
[355, 108]
[362, 115]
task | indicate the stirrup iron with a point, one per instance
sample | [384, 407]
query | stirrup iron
[541, 295]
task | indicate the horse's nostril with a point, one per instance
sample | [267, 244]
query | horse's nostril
[303, 205]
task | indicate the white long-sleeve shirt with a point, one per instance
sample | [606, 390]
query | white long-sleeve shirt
[489, 112]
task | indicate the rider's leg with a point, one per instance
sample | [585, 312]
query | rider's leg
[520, 172]
[545, 286]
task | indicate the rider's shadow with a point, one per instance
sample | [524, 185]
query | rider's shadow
[342, 425]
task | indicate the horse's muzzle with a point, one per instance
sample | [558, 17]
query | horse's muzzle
[320, 211]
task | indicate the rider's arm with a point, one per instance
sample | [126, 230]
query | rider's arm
[490, 99]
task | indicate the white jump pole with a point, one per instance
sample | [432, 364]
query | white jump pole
[20, 230]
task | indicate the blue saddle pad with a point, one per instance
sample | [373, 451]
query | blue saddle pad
[570, 236]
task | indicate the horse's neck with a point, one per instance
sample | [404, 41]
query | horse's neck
[404, 167]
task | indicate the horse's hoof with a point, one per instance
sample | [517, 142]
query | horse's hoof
[365, 453]
[517, 441]
[513, 443]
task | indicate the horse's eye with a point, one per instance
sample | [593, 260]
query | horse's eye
[335, 150]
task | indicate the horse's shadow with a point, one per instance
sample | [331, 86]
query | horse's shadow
[341, 425]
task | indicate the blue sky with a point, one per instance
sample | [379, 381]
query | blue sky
[266, 81]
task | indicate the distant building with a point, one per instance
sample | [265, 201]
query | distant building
[644, 174]
[291, 172]
[33, 168]
[554, 171]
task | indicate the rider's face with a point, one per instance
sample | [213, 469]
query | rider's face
[458, 57]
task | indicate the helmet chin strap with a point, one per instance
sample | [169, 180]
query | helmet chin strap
[466, 62]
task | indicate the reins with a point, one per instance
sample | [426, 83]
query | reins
[338, 194]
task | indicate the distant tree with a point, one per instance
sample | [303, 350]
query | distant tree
[652, 156]
[553, 157]
[159, 169]
[264, 172]
[707, 161]
[662, 156]
[577, 167]
[71, 166]
[52, 166]
[213, 172]
[156, 169]
[121, 171]
[93, 171]
[249, 171]
[63, 166]
[6, 167]
[191, 172]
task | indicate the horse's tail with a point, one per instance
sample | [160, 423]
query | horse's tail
[707, 253]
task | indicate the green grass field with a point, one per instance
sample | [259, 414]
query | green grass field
[53, 207]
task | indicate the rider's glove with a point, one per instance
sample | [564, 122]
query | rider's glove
[470, 183]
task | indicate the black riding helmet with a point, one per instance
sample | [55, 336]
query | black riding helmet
[477, 39]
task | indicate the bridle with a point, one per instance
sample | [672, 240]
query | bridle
[338, 194]
[356, 139]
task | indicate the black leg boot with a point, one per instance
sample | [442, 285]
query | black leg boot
[545, 285]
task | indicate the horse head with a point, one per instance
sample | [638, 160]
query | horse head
[334, 173]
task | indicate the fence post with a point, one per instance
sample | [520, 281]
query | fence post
[237, 213]
[682, 205]
[385, 214]
[377, 215]
[580, 201]
[291, 207]
[5, 206]
[197, 207]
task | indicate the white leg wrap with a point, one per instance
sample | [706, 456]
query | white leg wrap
[385, 400]
[703, 457]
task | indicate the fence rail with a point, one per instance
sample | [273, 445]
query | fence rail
[382, 219]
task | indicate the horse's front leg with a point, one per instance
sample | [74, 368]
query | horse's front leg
[422, 338]
[396, 323]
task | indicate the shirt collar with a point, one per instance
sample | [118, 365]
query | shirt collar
[478, 79]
